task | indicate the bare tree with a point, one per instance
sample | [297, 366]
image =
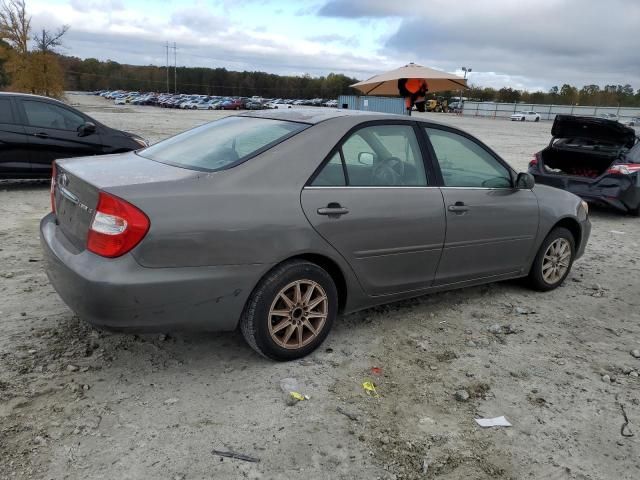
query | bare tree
[37, 71]
[47, 41]
[15, 25]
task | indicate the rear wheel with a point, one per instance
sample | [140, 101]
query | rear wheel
[553, 261]
[290, 312]
[635, 211]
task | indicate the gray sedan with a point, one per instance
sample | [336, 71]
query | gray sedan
[277, 221]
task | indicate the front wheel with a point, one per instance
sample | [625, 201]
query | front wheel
[522, 119]
[290, 312]
[537, 119]
[553, 261]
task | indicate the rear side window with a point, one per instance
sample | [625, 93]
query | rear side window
[223, 143]
[332, 174]
[380, 155]
[46, 115]
[6, 115]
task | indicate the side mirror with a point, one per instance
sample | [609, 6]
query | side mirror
[525, 181]
[365, 158]
[87, 128]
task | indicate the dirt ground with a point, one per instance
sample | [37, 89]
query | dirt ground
[77, 403]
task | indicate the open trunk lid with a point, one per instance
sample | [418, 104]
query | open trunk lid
[599, 130]
[79, 181]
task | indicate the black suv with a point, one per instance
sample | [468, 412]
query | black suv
[35, 131]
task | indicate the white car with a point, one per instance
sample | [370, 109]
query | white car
[280, 105]
[609, 116]
[331, 103]
[120, 101]
[634, 122]
[525, 117]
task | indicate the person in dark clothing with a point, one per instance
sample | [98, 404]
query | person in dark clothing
[414, 90]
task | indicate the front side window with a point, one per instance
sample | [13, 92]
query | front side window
[223, 143]
[464, 163]
[380, 155]
[46, 115]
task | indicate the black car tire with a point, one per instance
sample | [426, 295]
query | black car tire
[536, 278]
[635, 211]
[522, 119]
[537, 119]
[256, 318]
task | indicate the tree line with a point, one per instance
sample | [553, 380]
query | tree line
[607, 96]
[91, 74]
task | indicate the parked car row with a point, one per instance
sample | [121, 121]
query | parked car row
[207, 102]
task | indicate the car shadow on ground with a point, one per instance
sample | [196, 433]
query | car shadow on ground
[229, 348]
[598, 212]
[31, 184]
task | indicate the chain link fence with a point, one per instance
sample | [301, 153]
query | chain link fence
[546, 112]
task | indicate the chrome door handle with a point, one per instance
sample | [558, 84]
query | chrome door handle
[41, 135]
[333, 209]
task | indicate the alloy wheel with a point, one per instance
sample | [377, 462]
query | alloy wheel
[556, 261]
[298, 314]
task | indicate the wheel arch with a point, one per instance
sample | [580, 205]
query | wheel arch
[324, 262]
[332, 268]
[573, 226]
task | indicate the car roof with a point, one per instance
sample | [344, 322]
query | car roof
[317, 115]
[28, 95]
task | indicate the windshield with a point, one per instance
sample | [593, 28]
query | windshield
[223, 143]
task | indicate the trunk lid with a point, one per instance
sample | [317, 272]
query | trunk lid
[79, 181]
[596, 129]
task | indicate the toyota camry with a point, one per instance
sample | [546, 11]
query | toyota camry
[275, 222]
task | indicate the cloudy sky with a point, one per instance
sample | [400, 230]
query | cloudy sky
[524, 44]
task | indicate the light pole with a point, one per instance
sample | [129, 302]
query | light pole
[465, 70]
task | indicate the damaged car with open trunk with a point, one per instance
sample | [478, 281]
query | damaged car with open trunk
[594, 158]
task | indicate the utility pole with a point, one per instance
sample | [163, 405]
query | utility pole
[167, 47]
[175, 69]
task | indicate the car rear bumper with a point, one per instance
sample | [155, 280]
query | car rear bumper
[621, 192]
[120, 294]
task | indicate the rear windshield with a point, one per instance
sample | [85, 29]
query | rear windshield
[223, 143]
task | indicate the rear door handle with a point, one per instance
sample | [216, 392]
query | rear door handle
[333, 210]
[458, 207]
[41, 135]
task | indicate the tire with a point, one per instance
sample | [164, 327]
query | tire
[257, 321]
[546, 282]
[635, 212]
[537, 119]
[522, 119]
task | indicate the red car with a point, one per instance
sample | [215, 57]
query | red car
[235, 104]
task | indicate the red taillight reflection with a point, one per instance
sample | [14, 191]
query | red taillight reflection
[116, 228]
[54, 174]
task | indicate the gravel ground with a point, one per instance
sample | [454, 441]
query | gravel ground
[77, 403]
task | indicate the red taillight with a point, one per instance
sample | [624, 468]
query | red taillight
[624, 169]
[116, 227]
[534, 161]
[54, 174]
